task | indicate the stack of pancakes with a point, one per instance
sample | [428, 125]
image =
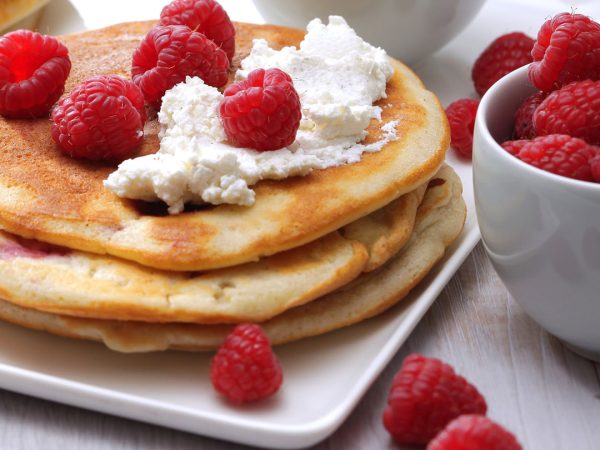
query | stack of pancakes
[313, 254]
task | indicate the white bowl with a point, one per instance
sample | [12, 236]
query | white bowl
[541, 230]
[407, 29]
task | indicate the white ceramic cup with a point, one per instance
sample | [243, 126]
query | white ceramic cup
[541, 231]
[410, 30]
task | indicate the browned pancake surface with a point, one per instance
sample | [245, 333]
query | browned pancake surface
[52, 197]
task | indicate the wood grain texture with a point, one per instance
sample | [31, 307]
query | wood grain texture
[548, 396]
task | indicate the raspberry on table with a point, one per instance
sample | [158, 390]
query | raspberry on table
[573, 109]
[426, 394]
[100, 119]
[557, 153]
[261, 112]
[524, 116]
[205, 16]
[505, 54]
[461, 116]
[168, 54]
[245, 369]
[33, 71]
[567, 49]
[473, 432]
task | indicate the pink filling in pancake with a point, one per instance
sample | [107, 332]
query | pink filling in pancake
[28, 248]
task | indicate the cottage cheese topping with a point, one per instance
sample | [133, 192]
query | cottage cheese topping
[338, 77]
[191, 109]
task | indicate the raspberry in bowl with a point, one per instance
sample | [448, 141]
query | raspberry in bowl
[541, 229]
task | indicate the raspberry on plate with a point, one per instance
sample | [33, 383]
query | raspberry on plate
[261, 112]
[461, 116]
[33, 71]
[245, 369]
[472, 432]
[505, 54]
[426, 395]
[101, 119]
[573, 109]
[205, 16]
[524, 116]
[567, 49]
[168, 54]
[557, 153]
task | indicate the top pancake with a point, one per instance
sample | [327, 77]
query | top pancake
[51, 197]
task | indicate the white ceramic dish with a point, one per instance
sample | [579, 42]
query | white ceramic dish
[540, 229]
[408, 29]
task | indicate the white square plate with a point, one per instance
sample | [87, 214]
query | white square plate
[325, 376]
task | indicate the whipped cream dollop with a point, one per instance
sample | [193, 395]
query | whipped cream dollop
[338, 77]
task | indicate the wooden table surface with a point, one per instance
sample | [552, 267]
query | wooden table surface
[547, 395]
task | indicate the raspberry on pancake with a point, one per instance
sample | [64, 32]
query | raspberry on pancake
[102, 118]
[33, 72]
[262, 112]
[168, 54]
[204, 16]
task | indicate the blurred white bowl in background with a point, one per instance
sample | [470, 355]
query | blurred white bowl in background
[409, 30]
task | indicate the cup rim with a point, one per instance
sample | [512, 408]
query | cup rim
[497, 90]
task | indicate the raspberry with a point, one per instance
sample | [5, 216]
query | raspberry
[574, 109]
[524, 116]
[33, 71]
[461, 116]
[261, 112]
[168, 54]
[567, 49]
[472, 432]
[514, 147]
[102, 118]
[245, 368]
[557, 153]
[205, 16]
[426, 394]
[505, 54]
[595, 166]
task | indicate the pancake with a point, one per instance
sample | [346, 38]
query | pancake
[47, 196]
[385, 231]
[19, 13]
[370, 294]
[55, 279]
